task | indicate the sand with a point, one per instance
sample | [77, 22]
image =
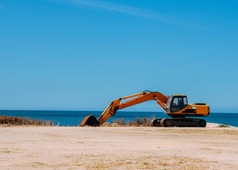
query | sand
[118, 148]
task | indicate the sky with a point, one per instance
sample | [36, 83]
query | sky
[83, 54]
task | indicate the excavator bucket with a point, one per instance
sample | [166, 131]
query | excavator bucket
[90, 121]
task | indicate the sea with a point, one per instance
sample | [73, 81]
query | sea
[74, 118]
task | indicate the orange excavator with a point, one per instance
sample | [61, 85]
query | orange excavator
[176, 106]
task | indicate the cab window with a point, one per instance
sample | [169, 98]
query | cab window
[178, 103]
[185, 102]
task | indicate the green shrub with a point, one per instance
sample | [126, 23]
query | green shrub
[223, 125]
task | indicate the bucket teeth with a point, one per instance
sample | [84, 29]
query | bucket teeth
[90, 121]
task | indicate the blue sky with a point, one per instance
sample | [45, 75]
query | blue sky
[81, 55]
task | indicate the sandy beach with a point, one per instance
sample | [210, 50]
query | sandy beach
[118, 148]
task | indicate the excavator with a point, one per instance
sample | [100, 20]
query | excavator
[175, 106]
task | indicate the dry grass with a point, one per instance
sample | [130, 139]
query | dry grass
[17, 121]
[138, 122]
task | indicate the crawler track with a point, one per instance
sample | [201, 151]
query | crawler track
[179, 122]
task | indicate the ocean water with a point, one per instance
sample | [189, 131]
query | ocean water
[74, 118]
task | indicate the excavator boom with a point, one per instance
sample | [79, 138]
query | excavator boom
[115, 105]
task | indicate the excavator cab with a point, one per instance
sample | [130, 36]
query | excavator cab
[176, 103]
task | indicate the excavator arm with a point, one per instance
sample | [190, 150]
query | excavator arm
[115, 105]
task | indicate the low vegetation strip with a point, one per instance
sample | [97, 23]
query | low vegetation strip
[7, 120]
[138, 122]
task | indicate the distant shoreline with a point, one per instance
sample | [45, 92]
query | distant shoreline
[74, 118]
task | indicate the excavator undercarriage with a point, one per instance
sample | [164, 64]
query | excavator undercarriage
[178, 122]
